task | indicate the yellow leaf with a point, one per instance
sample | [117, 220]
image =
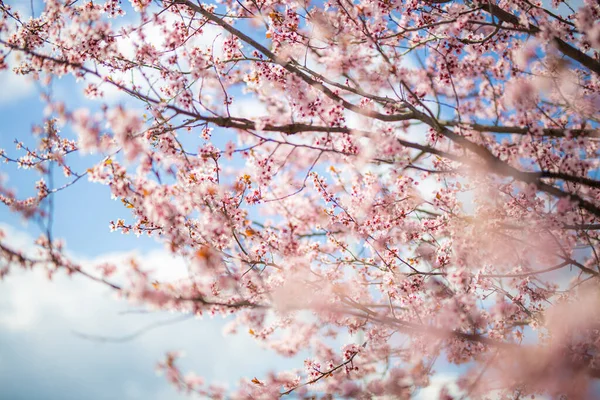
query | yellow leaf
[108, 162]
[250, 331]
[155, 284]
[268, 35]
[250, 232]
[256, 381]
[129, 205]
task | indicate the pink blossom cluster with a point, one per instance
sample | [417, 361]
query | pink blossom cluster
[418, 175]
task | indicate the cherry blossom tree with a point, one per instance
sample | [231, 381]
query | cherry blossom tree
[420, 174]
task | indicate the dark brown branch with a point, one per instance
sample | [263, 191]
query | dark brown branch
[518, 130]
[563, 47]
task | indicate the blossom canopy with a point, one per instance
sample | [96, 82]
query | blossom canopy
[420, 174]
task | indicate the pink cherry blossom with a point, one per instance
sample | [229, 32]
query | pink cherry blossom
[374, 189]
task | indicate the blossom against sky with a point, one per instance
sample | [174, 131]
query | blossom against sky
[366, 195]
[41, 355]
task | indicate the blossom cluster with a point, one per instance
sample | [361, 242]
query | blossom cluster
[423, 178]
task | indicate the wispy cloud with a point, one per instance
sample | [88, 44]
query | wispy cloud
[38, 319]
[14, 87]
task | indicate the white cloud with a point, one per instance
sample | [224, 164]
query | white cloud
[14, 87]
[248, 107]
[73, 296]
[437, 383]
[38, 318]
